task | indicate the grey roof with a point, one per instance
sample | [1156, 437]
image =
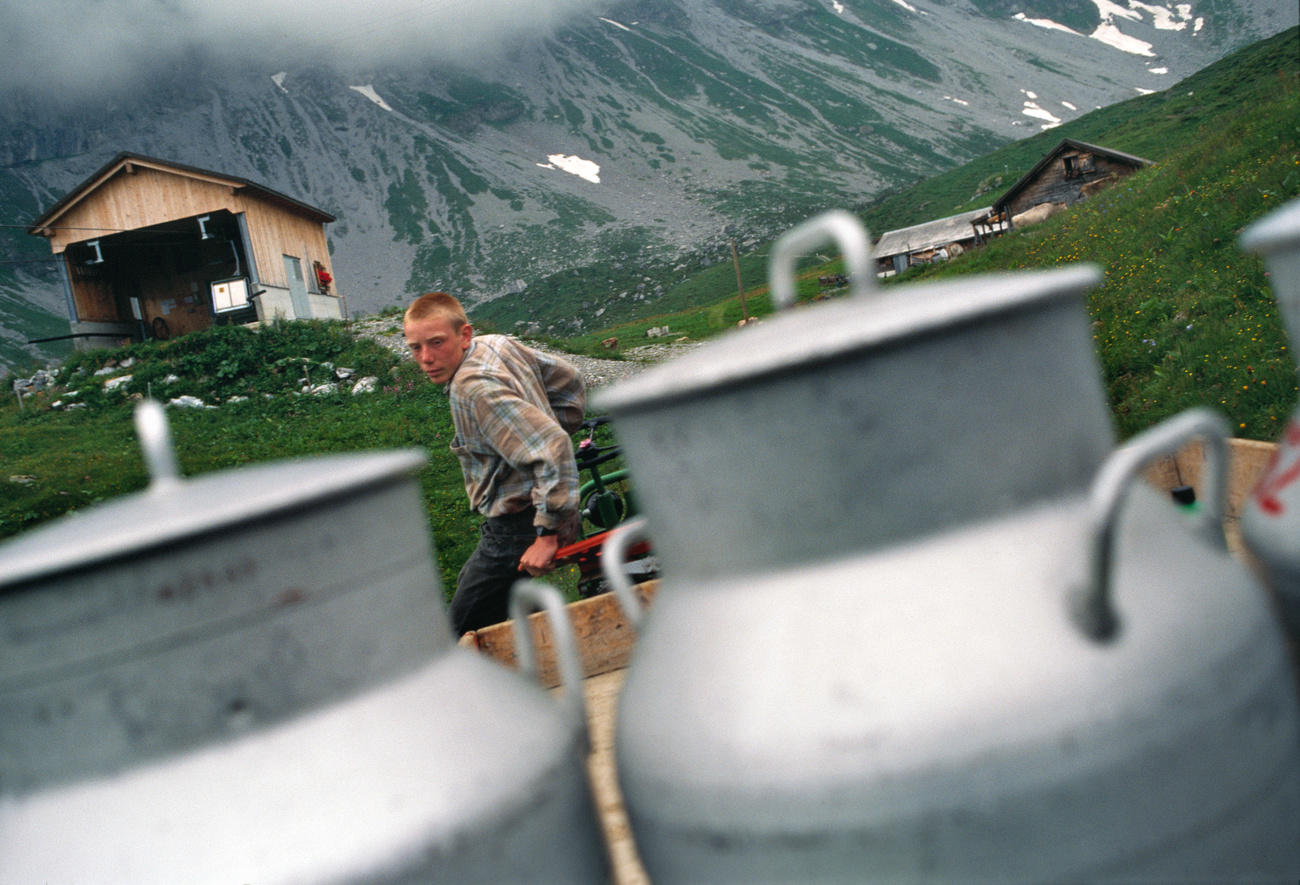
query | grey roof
[929, 235]
[1061, 147]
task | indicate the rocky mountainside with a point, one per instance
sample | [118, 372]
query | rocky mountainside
[630, 144]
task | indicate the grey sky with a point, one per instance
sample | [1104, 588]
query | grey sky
[77, 46]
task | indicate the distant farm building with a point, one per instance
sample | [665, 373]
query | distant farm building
[154, 249]
[1070, 172]
[897, 250]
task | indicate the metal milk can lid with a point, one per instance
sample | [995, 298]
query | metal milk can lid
[172, 509]
[831, 330]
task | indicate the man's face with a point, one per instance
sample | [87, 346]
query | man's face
[437, 348]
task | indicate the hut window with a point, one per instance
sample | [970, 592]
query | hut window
[1077, 165]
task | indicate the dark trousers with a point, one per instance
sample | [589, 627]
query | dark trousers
[483, 585]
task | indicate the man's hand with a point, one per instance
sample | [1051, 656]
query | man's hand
[539, 558]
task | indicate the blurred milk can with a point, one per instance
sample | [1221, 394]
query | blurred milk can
[248, 677]
[917, 622]
[1270, 524]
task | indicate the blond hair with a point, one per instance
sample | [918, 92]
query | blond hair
[437, 304]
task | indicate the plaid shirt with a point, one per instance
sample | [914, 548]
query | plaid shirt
[514, 409]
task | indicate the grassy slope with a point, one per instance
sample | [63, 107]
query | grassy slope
[54, 461]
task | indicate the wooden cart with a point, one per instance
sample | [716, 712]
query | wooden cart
[606, 639]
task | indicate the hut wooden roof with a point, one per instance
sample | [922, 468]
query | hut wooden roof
[125, 161]
[1064, 144]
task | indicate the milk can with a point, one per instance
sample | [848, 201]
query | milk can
[248, 676]
[1270, 523]
[917, 623]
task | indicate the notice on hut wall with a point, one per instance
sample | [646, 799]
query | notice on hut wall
[229, 295]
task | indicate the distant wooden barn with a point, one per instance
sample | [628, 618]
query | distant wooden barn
[938, 240]
[1068, 173]
[156, 249]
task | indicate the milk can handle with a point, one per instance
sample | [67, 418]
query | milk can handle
[838, 225]
[611, 565]
[1092, 605]
[155, 434]
[527, 597]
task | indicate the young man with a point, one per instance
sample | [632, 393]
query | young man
[513, 408]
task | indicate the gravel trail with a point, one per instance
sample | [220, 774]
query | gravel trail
[596, 372]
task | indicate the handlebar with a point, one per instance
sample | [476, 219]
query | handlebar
[594, 456]
[589, 453]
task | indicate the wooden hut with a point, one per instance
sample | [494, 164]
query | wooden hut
[938, 240]
[1070, 172]
[156, 249]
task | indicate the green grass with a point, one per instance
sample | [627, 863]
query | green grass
[56, 460]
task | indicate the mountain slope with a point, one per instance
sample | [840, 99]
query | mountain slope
[614, 154]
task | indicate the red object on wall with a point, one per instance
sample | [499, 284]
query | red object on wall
[323, 278]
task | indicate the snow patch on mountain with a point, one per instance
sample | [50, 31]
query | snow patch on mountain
[574, 165]
[369, 92]
[1046, 23]
[1033, 109]
[1110, 34]
[1164, 18]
